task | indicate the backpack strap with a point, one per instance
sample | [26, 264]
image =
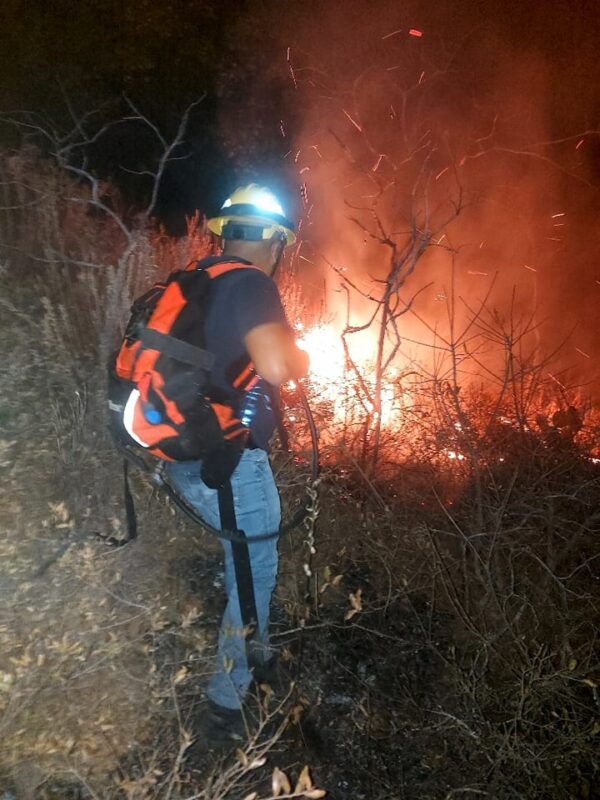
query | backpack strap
[129, 505]
[216, 270]
[241, 562]
[130, 514]
[177, 349]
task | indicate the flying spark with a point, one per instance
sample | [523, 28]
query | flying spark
[415, 32]
[582, 353]
[354, 122]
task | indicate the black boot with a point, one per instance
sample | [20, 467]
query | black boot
[219, 724]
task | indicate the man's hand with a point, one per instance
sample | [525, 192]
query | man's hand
[274, 353]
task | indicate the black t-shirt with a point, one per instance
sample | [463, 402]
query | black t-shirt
[241, 301]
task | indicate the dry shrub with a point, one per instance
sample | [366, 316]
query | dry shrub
[490, 525]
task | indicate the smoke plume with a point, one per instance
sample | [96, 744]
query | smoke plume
[395, 116]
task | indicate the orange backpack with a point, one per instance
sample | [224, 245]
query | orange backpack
[160, 396]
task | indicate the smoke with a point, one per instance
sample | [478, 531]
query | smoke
[401, 114]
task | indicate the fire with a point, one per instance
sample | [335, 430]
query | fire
[326, 351]
[327, 364]
[334, 380]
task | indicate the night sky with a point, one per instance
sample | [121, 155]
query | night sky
[165, 55]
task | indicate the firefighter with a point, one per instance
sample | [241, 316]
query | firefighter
[245, 319]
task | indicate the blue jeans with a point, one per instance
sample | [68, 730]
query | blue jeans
[258, 511]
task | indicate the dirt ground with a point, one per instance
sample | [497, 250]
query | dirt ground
[104, 649]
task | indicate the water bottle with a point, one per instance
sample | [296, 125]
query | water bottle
[250, 406]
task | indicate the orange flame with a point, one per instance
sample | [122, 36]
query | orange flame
[334, 380]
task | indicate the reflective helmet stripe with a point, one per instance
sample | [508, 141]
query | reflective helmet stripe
[250, 210]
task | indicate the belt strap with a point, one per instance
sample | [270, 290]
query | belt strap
[241, 562]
